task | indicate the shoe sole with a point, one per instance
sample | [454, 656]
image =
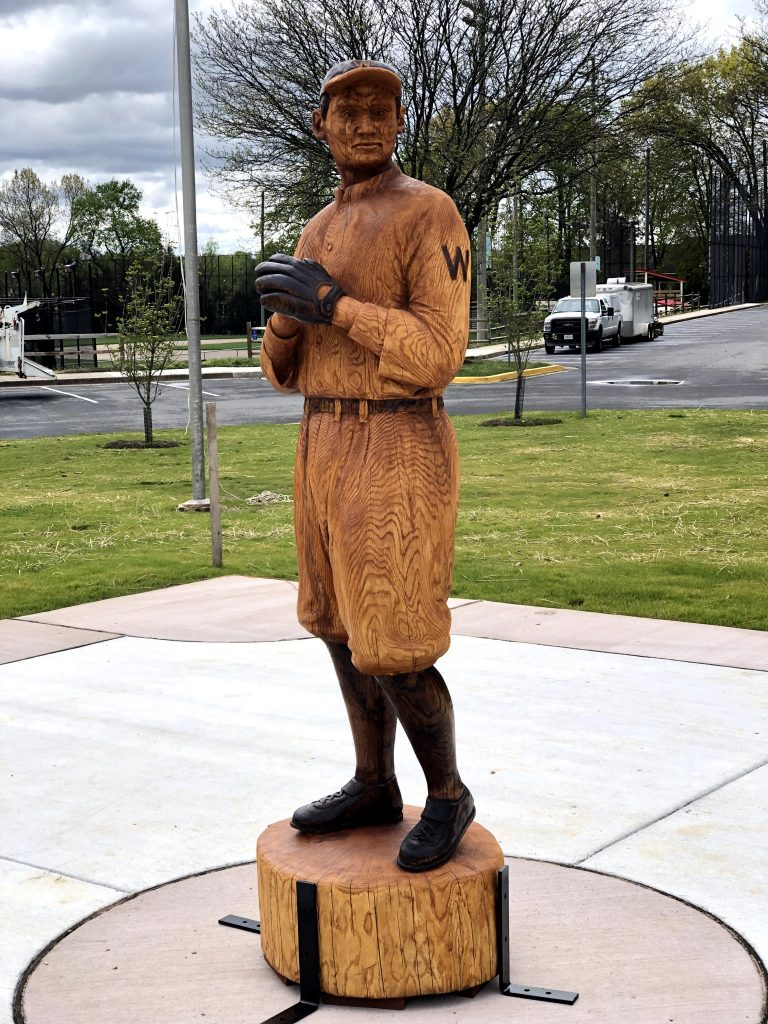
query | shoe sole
[320, 830]
[446, 856]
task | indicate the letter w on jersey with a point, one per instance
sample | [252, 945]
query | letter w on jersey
[460, 259]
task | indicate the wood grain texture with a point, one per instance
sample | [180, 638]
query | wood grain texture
[375, 513]
[399, 249]
[383, 933]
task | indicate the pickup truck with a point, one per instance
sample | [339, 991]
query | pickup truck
[563, 325]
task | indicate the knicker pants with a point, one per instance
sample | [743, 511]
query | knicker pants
[375, 514]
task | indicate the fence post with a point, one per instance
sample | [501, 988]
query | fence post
[249, 339]
[213, 484]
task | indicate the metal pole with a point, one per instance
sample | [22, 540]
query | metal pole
[647, 209]
[593, 181]
[632, 226]
[262, 313]
[583, 339]
[186, 133]
[482, 228]
[482, 284]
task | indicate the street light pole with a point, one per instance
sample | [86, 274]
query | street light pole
[476, 20]
[192, 296]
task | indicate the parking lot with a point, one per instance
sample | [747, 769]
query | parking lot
[713, 362]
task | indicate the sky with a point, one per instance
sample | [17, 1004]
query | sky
[86, 87]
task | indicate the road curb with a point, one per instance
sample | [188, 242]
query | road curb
[536, 371]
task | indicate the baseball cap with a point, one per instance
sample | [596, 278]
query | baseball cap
[350, 72]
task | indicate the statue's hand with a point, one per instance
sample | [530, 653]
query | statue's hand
[301, 289]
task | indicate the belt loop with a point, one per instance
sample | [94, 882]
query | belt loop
[336, 408]
[434, 407]
[306, 406]
[363, 408]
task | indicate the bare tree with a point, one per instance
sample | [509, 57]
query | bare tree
[37, 220]
[522, 272]
[147, 335]
[487, 101]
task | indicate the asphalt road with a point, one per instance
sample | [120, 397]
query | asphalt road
[714, 362]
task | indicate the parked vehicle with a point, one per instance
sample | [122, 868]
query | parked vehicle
[635, 302]
[12, 357]
[563, 325]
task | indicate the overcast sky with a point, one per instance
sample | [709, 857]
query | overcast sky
[86, 86]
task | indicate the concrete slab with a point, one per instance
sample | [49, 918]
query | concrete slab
[136, 760]
[634, 955]
[618, 634]
[35, 905]
[713, 852]
[20, 639]
[234, 609]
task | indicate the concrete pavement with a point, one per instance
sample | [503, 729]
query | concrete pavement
[151, 736]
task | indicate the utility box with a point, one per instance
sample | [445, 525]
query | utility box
[636, 301]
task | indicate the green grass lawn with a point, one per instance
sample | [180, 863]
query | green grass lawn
[659, 514]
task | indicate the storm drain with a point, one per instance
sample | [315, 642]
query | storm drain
[639, 383]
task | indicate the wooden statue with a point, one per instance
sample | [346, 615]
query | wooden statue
[370, 324]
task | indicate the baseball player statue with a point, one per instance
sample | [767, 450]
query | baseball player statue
[370, 323]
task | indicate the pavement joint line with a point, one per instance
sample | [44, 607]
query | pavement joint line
[64, 874]
[109, 634]
[675, 810]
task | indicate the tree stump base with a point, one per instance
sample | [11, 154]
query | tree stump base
[384, 933]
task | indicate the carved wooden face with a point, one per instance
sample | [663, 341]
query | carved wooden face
[360, 128]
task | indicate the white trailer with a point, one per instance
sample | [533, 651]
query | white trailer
[12, 358]
[636, 301]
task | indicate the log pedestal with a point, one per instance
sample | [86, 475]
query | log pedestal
[384, 933]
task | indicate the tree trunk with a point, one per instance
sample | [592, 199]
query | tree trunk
[519, 397]
[148, 424]
[383, 933]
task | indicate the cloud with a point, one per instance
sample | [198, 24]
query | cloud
[85, 87]
[66, 54]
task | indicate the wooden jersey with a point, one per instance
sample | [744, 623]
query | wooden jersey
[400, 248]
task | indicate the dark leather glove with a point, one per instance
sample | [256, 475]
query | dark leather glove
[290, 286]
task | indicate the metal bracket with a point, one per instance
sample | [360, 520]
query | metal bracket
[246, 923]
[309, 953]
[547, 995]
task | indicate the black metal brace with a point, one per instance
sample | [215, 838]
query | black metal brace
[309, 953]
[246, 923]
[547, 995]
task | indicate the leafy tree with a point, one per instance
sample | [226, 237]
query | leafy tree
[147, 334]
[719, 108]
[37, 221]
[487, 103]
[108, 221]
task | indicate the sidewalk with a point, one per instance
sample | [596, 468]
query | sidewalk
[151, 736]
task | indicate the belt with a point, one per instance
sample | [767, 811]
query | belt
[363, 407]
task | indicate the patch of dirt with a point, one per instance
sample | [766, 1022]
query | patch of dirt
[530, 421]
[141, 444]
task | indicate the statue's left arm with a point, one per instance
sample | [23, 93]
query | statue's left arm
[423, 344]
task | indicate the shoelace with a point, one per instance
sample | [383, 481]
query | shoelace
[338, 795]
[425, 832]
